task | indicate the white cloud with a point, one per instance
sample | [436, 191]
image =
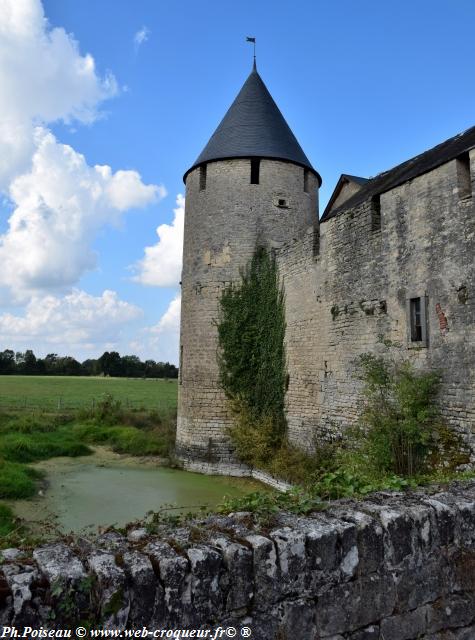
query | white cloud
[169, 323]
[59, 201]
[75, 322]
[161, 342]
[141, 36]
[59, 206]
[43, 78]
[161, 264]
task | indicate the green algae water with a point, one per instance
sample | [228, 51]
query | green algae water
[109, 489]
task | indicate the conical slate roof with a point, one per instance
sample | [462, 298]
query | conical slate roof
[253, 127]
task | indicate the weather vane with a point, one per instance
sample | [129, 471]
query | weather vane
[253, 40]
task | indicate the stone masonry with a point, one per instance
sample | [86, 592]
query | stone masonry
[350, 277]
[223, 225]
[355, 289]
[391, 567]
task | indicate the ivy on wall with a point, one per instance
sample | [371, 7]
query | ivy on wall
[251, 355]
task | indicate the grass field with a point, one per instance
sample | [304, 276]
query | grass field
[71, 392]
[44, 417]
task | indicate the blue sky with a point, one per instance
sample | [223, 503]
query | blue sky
[363, 85]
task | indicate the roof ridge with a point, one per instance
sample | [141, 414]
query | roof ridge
[409, 169]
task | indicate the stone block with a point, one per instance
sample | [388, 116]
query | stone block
[143, 588]
[112, 589]
[265, 569]
[406, 626]
[206, 590]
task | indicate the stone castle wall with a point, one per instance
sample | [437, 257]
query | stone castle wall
[223, 224]
[341, 298]
[391, 567]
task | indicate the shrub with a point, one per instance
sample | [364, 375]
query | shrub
[254, 438]
[107, 410]
[400, 422]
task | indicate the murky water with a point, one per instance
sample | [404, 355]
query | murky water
[107, 488]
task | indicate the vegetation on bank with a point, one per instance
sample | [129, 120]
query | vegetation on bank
[29, 437]
[399, 441]
[7, 521]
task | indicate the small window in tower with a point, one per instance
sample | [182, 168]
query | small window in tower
[306, 180]
[376, 213]
[180, 366]
[464, 178]
[255, 166]
[282, 202]
[202, 177]
[417, 321]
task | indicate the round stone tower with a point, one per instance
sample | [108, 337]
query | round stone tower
[251, 186]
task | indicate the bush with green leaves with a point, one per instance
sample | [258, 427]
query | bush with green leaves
[400, 425]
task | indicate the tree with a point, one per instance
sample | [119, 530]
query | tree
[132, 367]
[7, 362]
[110, 363]
[51, 363]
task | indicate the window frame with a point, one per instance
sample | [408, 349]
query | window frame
[410, 318]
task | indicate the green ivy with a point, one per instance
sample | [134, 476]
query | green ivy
[251, 357]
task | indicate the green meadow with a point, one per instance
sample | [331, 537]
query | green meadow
[73, 392]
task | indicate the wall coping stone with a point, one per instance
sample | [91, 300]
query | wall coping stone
[397, 566]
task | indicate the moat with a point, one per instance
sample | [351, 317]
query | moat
[110, 489]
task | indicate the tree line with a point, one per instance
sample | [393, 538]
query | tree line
[111, 363]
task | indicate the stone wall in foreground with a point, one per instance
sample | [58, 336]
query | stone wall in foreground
[392, 567]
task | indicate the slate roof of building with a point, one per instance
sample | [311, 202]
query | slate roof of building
[408, 170]
[253, 127]
[357, 179]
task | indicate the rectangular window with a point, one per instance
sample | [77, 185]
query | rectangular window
[416, 325]
[417, 320]
[306, 181]
[376, 213]
[464, 178]
[255, 166]
[202, 177]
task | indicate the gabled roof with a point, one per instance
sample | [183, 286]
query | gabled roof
[253, 127]
[427, 161]
[343, 180]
